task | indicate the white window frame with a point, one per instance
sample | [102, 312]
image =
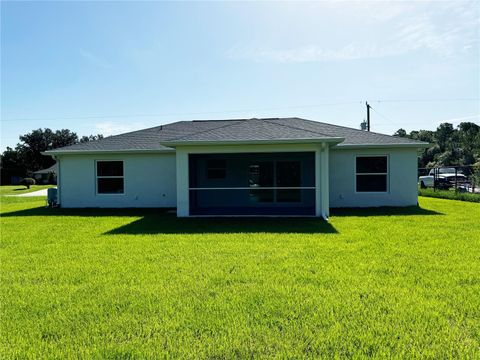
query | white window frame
[108, 177]
[385, 173]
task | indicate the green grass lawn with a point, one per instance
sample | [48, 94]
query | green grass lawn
[20, 189]
[401, 283]
[449, 194]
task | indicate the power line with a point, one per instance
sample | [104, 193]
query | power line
[384, 116]
[231, 111]
[177, 114]
[426, 100]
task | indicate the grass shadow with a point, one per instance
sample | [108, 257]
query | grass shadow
[170, 224]
[383, 211]
[164, 221]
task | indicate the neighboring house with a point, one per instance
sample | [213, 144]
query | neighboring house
[44, 176]
[274, 166]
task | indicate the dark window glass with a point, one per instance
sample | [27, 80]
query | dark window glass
[261, 174]
[110, 185]
[109, 168]
[371, 183]
[216, 169]
[216, 163]
[371, 164]
[216, 173]
[261, 195]
[288, 174]
[289, 195]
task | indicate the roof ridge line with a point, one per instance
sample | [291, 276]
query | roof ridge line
[342, 126]
[351, 128]
[296, 128]
[204, 131]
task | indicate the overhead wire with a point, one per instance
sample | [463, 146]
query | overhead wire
[86, 117]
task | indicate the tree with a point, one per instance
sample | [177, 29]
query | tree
[27, 155]
[449, 145]
[11, 165]
[33, 144]
[445, 136]
[85, 138]
[423, 135]
[400, 133]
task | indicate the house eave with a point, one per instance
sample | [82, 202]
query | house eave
[330, 140]
[381, 146]
[94, 152]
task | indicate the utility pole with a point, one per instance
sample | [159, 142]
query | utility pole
[368, 115]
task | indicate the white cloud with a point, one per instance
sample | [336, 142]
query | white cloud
[444, 29]
[108, 128]
[312, 53]
[93, 59]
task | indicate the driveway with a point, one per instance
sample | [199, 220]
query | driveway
[42, 192]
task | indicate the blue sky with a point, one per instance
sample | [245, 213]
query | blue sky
[112, 67]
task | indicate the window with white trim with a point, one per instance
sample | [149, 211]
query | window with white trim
[110, 178]
[371, 173]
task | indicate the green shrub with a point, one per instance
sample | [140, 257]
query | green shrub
[449, 194]
[27, 182]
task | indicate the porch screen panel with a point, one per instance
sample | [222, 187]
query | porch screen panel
[288, 174]
[253, 184]
[261, 176]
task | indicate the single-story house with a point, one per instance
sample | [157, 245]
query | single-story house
[250, 167]
[46, 176]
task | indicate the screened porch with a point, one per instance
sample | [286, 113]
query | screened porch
[280, 183]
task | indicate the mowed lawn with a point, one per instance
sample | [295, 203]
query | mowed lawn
[126, 284]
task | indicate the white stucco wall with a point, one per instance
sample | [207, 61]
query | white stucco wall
[149, 181]
[401, 179]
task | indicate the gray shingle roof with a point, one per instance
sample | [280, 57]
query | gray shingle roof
[53, 168]
[236, 130]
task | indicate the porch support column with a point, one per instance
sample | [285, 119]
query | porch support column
[324, 173]
[322, 202]
[318, 182]
[183, 198]
[59, 181]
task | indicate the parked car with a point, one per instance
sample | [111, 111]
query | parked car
[445, 178]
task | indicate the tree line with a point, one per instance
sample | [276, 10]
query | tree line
[449, 145]
[26, 157]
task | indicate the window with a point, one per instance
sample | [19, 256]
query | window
[371, 173]
[110, 179]
[216, 169]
